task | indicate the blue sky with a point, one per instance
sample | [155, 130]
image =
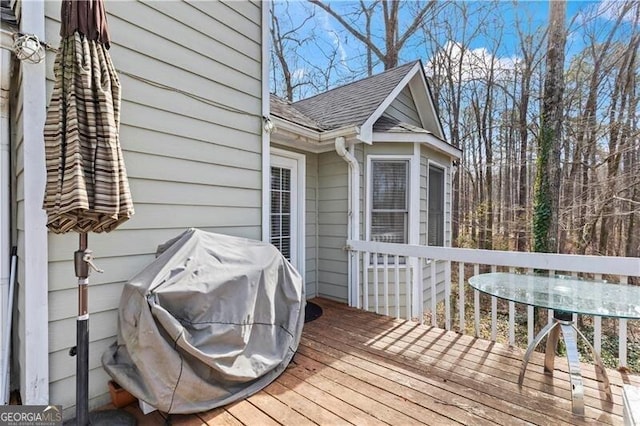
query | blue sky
[533, 16]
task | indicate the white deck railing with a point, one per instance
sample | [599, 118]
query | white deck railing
[403, 274]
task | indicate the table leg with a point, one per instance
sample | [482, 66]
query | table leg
[577, 388]
[550, 350]
[599, 365]
[547, 328]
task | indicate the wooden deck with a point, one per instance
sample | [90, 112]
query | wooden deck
[361, 368]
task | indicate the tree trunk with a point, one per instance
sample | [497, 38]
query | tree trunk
[547, 188]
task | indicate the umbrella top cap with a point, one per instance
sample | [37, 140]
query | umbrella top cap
[88, 17]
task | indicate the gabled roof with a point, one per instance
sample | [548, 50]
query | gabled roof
[362, 108]
[353, 103]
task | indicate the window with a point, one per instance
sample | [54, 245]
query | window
[389, 201]
[435, 232]
[281, 210]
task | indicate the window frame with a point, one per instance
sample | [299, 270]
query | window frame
[445, 170]
[409, 159]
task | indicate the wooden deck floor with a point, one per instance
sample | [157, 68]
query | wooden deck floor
[361, 368]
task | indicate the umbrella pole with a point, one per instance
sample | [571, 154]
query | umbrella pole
[81, 262]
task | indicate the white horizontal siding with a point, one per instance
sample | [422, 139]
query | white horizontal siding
[191, 135]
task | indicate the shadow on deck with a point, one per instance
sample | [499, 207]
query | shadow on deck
[358, 367]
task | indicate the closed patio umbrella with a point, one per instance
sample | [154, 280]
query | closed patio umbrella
[87, 188]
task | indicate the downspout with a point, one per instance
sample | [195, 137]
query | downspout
[5, 205]
[353, 217]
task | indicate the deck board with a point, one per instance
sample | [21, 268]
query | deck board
[355, 367]
[506, 393]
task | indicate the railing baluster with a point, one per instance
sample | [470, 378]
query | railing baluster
[494, 312]
[415, 293]
[530, 315]
[622, 333]
[597, 325]
[365, 280]
[386, 283]
[357, 282]
[461, 296]
[575, 316]
[512, 317]
[447, 295]
[476, 303]
[550, 311]
[434, 320]
[396, 277]
[375, 283]
[419, 278]
[408, 287]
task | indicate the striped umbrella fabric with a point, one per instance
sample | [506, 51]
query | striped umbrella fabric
[87, 188]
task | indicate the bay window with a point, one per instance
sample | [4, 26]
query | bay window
[389, 195]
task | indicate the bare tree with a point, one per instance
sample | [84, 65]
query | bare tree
[286, 38]
[529, 60]
[547, 188]
[393, 39]
[580, 177]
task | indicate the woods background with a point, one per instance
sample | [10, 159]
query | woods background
[487, 63]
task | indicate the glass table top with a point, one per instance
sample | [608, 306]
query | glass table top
[563, 293]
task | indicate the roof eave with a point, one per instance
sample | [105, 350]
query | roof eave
[298, 136]
[426, 138]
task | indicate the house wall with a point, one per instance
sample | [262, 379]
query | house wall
[192, 146]
[426, 155]
[332, 226]
[311, 218]
[403, 108]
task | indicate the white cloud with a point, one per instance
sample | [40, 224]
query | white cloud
[333, 35]
[473, 63]
[298, 74]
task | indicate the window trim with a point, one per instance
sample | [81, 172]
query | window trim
[445, 173]
[369, 196]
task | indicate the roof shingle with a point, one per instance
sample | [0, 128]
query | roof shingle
[348, 105]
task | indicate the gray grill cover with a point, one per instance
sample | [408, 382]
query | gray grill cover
[213, 319]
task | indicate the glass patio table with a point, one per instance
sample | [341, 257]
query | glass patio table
[566, 296]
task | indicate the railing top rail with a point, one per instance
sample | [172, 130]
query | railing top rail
[625, 266]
